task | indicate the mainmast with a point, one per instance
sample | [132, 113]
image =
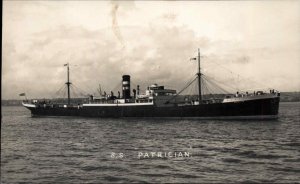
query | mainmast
[68, 83]
[199, 77]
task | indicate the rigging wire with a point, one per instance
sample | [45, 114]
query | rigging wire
[81, 91]
[65, 93]
[168, 101]
[74, 91]
[204, 87]
[62, 92]
[58, 91]
[240, 76]
[215, 85]
[218, 83]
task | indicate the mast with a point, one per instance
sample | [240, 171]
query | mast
[68, 83]
[199, 77]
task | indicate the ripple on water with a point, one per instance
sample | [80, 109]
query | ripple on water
[77, 150]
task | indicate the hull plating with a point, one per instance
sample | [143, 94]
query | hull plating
[252, 109]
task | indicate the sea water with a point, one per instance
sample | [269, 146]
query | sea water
[95, 150]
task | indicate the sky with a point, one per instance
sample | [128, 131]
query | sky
[245, 45]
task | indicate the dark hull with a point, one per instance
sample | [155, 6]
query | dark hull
[260, 108]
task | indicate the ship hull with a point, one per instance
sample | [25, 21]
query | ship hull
[251, 109]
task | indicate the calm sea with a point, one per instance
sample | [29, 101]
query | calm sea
[83, 150]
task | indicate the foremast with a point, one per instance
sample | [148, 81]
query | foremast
[68, 83]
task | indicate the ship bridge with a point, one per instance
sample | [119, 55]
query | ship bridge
[158, 94]
[156, 90]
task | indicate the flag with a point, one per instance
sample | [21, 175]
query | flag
[193, 59]
[66, 64]
[22, 94]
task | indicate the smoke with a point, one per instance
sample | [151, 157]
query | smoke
[115, 26]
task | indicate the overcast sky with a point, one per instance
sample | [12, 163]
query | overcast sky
[245, 45]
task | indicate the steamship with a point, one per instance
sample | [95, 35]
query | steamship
[159, 102]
